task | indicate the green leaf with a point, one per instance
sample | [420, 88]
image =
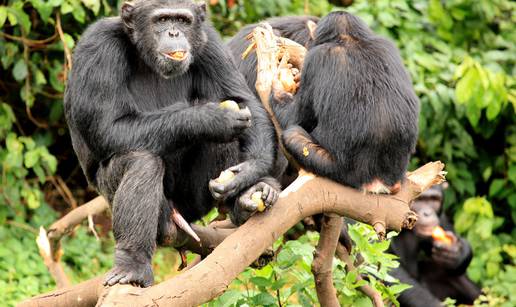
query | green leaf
[20, 70]
[93, 5]
[260, 281]
[466, 86]
[496, 186]
[487, 173]
[263, 299]
[473, 112]
[31, 158]
[21, 17]
[49, 160]
[70, 43]
[3, 16]
[512, 173]
[44, 9]
[38, 170]
[493, 109]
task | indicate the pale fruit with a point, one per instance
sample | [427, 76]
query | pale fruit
[256, 197]
[230, 105]
[225, 177]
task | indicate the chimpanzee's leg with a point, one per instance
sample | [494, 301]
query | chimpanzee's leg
[133, 185]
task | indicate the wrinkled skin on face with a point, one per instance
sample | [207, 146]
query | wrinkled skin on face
[167, 34]
[427, 207]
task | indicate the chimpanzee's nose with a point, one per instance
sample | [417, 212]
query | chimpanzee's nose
[173, 33]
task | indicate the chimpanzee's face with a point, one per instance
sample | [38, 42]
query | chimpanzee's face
[427, 207]
[166, 33]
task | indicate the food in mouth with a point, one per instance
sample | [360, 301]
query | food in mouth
[176, 55]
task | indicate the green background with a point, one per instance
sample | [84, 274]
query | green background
[461, 55]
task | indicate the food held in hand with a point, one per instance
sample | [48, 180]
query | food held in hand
[230, 105]
[256, 197]
[225, 177]
[438, 234]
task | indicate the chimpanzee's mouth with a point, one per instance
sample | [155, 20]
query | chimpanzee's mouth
[178, 55]
[425, 231]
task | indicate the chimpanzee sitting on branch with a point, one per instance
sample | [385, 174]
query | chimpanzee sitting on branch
[142, 104]
[434, 262]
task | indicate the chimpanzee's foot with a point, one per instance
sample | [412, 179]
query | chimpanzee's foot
[128, 270]
[256, 199]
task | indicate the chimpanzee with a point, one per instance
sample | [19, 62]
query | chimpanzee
[142, 104]
[355, 117]
[436, 270]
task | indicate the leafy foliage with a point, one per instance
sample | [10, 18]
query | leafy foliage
[288, 281]
[461, 56]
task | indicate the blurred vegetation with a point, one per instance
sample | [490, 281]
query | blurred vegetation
[461, 55]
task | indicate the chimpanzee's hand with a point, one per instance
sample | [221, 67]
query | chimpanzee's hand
[227, 124]
[245, 206]
[245, 175]
[130, 268]
[448, 255]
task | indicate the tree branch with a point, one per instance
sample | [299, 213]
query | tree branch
[322, 264]
[313, 195]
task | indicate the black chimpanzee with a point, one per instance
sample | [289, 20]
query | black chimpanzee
[355, 117]
[142, 107]
[436, 270]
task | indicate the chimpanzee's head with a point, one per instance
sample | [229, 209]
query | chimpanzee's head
[428, 207]
[340, 26]
[166, 33]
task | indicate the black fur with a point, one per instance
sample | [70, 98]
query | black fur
[291, 27]
[148, 131]
[355, 116]
[431, 281]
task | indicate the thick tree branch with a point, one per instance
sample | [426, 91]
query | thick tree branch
[322, 264]
[313, 195]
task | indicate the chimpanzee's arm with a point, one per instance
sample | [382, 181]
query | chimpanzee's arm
[292, 109]
[417, 295]
[99, 103]
[257, 144]
[312, 156]
[463, 257]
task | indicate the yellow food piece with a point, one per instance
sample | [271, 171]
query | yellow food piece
[306, 153]
[230, 104]
[440, 235]
[256, 197]
[225, 177]
[178, 55]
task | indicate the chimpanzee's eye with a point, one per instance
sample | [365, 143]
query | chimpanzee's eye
[183, 20]
[163, 19]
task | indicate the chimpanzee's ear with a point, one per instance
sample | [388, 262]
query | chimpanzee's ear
[312, 26]
[201, 11]
[126, 13]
